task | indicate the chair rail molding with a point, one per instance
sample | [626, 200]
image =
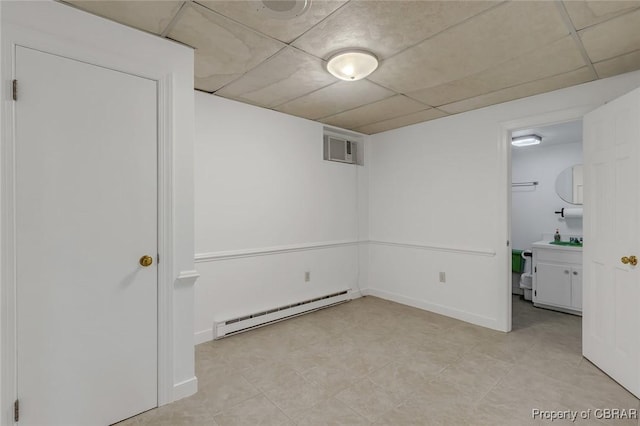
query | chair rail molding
[266, 251]
[436, 247]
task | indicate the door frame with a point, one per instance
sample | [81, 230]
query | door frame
[506, 128]
[64, 31]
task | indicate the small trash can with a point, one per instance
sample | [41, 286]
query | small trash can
[526, 284]
[517, 262]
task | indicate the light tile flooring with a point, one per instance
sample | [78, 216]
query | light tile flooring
[372, 361]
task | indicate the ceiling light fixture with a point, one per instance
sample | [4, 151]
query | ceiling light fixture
[352, 65]
[527, 140]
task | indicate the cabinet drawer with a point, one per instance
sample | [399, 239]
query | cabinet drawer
[560, 256]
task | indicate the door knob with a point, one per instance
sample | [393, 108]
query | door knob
[632, 260]
[146, 261]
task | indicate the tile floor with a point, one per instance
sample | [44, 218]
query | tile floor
[372, 361]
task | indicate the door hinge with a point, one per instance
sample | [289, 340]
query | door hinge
[535, 293]
[15, 90]
[535, 269]
[16, 411]
[507, 243]
[158, 258]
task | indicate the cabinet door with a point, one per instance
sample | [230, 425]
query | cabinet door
[576, 287]
[553, 284]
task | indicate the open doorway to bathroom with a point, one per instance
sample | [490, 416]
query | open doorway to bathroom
[546, 225]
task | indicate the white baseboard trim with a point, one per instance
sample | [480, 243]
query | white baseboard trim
[469, 317]
[186, 388]
[355, 294]
[203, 336]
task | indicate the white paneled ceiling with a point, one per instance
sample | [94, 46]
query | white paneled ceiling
[436, 57]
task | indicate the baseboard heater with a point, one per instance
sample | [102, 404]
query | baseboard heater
[259, 319]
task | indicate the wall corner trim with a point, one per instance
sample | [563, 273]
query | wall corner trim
[203, 336]
[355, 294]
[185, 388]
[187, 278]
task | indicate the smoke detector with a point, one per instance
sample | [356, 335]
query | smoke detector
[283, 9]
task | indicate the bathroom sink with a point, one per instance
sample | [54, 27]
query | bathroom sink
[565, 243]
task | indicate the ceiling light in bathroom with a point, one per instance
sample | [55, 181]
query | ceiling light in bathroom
[527, 140]
[352, 65]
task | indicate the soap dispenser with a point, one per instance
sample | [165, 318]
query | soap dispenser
[557, 237]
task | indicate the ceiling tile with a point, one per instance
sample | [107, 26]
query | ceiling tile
[464, 88]
[453, 55]
[249, 13]
[618, 65]
[224, 49]
[612, 38]
[151, 16]
[336, 98]
[406, 120]
[499, 34]
[558, 57]
[548, 84]
[287, 75]
[392, 107]
[586, 13]
[385, 27]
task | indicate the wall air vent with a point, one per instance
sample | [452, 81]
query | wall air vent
[343, 146]
[337, 149]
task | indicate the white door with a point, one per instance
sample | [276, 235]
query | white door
[611, 313]
[86, 211]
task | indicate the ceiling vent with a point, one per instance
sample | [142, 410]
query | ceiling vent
[283, 9]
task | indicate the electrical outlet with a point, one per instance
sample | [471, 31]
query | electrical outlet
[307, 277]
[443, 277]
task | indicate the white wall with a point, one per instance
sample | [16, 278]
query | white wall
[261, 185]
[532, 211]
[439, 196]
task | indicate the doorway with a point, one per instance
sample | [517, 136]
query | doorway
[86, 217]
[611, 158]
[546, 205]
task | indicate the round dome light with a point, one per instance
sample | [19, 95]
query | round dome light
[352, 65]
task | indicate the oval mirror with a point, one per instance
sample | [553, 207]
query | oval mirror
[569, 184]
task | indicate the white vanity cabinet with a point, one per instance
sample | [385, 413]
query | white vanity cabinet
[557, 277]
